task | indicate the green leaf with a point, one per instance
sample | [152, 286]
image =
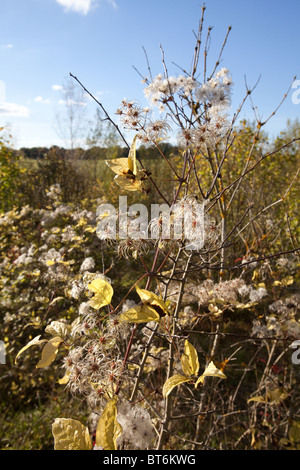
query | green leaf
[173, 382]
[108, 429]
[70, 434]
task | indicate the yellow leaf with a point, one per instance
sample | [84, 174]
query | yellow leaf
[294, 432]
[81, 222]
[70, 434]
[64, 379]
[57, 299]
[173, 382]
[149, 298]
[103, 291]
[50, 262]
[214, 311]
[140, 314]
[126, 170]
[189, 360]
[33, 342]
[132, 157]
[119, 166]
[128, 183]
[256, 444]
[49, 352]
[258, 398]
[211, 371]
[58, 328]
[108, 429]
[125, 166]
[244, 306]
[261, 284]
[288, 280]
[66, 263]
[277, 395]
[90, 229]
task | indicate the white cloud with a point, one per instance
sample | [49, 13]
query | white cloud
[13, 109]
[113, 4]
[71, 102]
[7, 46]
[82, 6]
[57, 87]
[40, 99]
[79, 6]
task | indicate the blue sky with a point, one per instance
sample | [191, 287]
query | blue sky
[100, 41]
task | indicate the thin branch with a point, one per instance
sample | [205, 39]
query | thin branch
[263, 157]
[103, 109]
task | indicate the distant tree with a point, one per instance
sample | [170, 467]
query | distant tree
[9, 173]
[71, 123]
[34, 152]
[102, 134]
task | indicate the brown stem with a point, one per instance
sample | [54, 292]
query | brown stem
[168, 399]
